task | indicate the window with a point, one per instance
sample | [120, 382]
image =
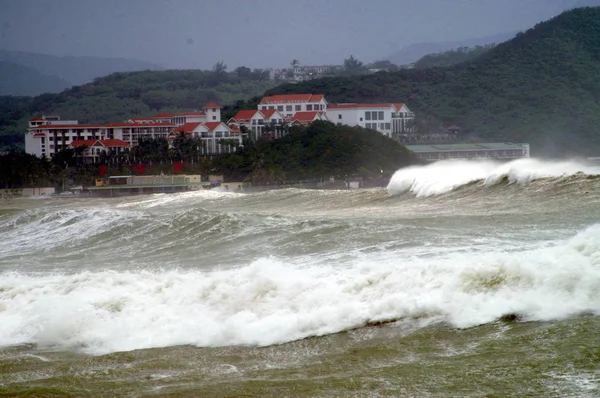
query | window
[339, 116]
[367, 116]
[380, 115]
[271, 107]
[280, 108]
[309, 107]
[298, 108]
[214, 117]
[288, 108]
[388, 126]
[361, 119]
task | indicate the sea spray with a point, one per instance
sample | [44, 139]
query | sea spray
[271, 301]
[444, 176]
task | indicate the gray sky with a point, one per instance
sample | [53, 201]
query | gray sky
[255, 33]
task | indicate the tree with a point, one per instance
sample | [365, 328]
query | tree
[243, 72]
[295, 63]
[353, 66]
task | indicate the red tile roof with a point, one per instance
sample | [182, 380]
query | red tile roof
[212, 125]
[70, 126]
[162, 116]
[39, 135]
[114, 143]
[268, 113]
[305, 116]
[398, 106]
[246, 114]
[37, 119]
[292, 98]
[140, 125]
[188, 127]
[107, 143]
[212, 105]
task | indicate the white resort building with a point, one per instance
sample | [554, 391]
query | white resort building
[385, 118]
[289, 104]
[49, 135]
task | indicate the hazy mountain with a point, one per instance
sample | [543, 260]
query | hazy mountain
[414, 52]
[75, 70]
[18, 79]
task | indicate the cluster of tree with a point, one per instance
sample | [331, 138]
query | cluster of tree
[542, 87]
[453, 57]
[320, 150]
[120, 96]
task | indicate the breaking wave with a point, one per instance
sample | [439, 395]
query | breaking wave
[444, 176]
[271, 301]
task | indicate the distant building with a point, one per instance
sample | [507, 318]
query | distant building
[289, 104]
[216, 137]
[257, 121]
[305, 118]
[95, 148]
[506, 150]
[388, 119]
[48, 135]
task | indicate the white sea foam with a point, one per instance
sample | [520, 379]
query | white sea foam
[444, 176]
[271, 301]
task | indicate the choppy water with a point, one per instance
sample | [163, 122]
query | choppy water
[458, 279]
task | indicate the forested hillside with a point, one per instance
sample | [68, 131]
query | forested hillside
[121, 96]
[541, 87]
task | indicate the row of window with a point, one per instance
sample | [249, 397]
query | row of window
[374, 115]
[380, 126]
[296, 108]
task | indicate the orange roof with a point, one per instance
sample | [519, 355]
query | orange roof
[292, 98]
[245, 114]
[190, 114]
[268, 112]
[212, 105]
[107, 143]
[189, 127]
[114, 143]
[39, 135]
[70, 126]
[305, 116]
[398, 106]
[37, 119]
[212, 125]
[357, 106]
[140, 125]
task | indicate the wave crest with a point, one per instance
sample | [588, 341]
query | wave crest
[447, 175]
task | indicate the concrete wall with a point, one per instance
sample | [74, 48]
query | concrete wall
[43, 191]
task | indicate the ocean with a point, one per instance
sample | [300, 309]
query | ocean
[457, 279]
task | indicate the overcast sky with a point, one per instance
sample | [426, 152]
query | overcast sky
[255, 33]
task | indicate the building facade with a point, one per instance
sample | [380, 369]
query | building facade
[502, 151]
[388, 119]
[289, 104]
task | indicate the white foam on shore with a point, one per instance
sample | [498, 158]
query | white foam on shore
[270, 301]
[444, 176]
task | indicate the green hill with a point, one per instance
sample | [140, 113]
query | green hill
[17, 79]
[120, 96]
[541, 87]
